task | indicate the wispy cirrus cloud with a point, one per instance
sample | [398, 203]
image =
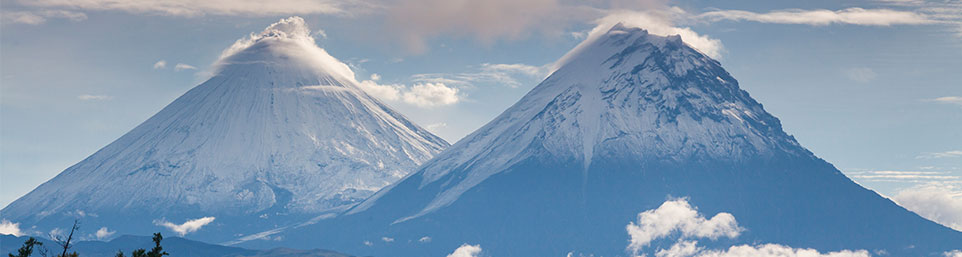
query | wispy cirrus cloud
[87, 97]
[510, 75]
[182, 66]
[822, 17]
[937, 155]
[160, 64]
[902, 176]
[949, 100]
[861, 74]
[189, 8]
[37, 17]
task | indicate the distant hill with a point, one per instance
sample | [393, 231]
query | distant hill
[176, 246]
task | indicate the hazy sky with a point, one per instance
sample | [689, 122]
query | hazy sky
[874, 87]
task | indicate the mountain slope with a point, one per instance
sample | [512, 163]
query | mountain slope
[627, 121]
[280, 133]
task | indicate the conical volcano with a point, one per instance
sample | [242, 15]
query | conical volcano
[280, 132]
[628, 121]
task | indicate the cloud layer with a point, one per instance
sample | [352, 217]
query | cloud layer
[211, 7]
[822, 17]
[40, 17]
[189, 226]
[678, 217]
[937, 201]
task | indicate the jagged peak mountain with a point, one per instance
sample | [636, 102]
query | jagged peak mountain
[625, 94]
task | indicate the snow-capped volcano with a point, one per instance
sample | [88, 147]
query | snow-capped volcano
[628, 120]
[280, 131]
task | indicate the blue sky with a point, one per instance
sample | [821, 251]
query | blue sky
[873, 86]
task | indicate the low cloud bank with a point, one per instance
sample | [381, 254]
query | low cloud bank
[937, 201]
[678, 217]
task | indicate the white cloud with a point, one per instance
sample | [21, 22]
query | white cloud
[40, 17]
[949, 100]
[375, 77]
[822, 17]
[776, 250]
[679, 249]
[434, 127]
[320, 33]
[466, 250]
[290, 37]
[424, 95]
[861, 74]
[56, 232]
[678, 216]
[212, 7]
[937, 201]
[936, 155]
[187, 227]
[368, 243]
[103, 233]
[530, 70]
[902, 175]
[23, 18]
[160, 64]
[387, 239]
[431, 94]
[9, 228]
[953, 253]
[181, 66]
[504, 74]
[387, 92]
[86, 97]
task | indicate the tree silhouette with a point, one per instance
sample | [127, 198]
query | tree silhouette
[157, 251]
[65, 242]
[27, 248]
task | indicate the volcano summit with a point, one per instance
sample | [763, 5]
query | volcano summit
[281, 133]
[628, 120]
